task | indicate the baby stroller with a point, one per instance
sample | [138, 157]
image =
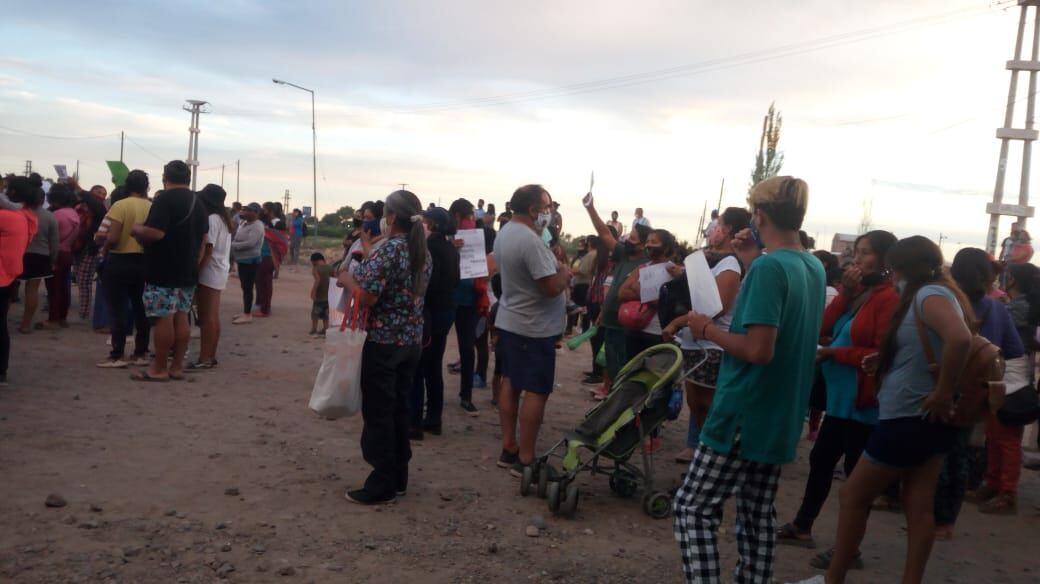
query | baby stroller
[637, 404]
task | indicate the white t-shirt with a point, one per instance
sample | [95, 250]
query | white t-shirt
[829, 295]
[686, 340]
[215, 273]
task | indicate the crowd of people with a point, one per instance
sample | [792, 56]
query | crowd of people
[869, 352]
[155, 266]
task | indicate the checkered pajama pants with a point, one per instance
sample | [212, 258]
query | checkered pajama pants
[713, 477]
[86, 269]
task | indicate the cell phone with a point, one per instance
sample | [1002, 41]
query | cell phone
[756, 236]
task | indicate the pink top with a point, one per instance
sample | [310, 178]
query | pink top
[68, 228]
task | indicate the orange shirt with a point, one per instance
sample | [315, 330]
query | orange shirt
[17, 228]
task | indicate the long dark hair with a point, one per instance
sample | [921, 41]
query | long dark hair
[602, 254]
[920, 262]
[973, 272]
[407, 210]
[880, 242]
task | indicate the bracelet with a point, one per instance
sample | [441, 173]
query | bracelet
[704, 330]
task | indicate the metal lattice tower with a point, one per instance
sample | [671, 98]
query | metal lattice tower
[196, 108]
[1027, 135]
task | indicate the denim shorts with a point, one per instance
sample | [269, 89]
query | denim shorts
[529, 363]
[160, 301]
[908, 442]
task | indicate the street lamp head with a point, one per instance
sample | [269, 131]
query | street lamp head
[278, 81]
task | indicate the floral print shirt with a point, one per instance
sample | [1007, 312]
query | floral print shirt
[397, 316]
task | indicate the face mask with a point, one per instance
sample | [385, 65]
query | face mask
[654, 252]
[900, 286]
[544, 219]
[468, 223]
[629, 248]
[382, 225]
[373, 226]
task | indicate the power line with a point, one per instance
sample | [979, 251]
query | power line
[701, 67]
[147, 151]
[24, 133]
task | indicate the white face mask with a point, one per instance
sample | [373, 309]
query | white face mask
[900, 286]
[544, 219]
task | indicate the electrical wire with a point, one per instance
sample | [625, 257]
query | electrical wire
[147, 151]
[24, 133]
[702, 67]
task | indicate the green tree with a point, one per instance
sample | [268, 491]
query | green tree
[769, 160]
[338, 219]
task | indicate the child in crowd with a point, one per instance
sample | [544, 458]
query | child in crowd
[320, 294]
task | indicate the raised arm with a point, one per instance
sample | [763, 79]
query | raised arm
[601, 228]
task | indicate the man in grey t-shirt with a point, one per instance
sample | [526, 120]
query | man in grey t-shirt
[531, 316]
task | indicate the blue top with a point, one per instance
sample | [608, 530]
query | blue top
[842, 382]
[297, 226]
[766, 404]
[908, 382]
[997, 326]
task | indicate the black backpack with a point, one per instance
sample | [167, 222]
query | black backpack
[675, 295]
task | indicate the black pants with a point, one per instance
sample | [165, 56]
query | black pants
[637, 341]
[483, 354]
[428, 385]
[597, 339]
[5, 335]
[838, 437]
[465, 333]
[247, 277]
[123, 281]
[386, 381]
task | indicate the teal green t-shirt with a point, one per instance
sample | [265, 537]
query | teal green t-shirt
[766, 404]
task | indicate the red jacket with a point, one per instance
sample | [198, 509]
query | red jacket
[868, 330]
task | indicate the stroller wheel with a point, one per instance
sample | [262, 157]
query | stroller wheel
[526, 480]
[623, 483]
[544, 470]
[570, 500]
[552, 495]
[657, 505]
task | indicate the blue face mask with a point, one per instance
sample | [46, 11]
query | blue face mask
[371, 226]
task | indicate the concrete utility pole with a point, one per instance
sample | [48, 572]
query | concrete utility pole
[196, 108]
[28, 167]
[221, 176]
[238, 176]
[1027, 135]
[122, 135]
[285, 205]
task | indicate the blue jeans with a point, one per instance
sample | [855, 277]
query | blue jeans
[693, 434]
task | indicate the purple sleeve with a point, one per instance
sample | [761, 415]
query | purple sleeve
[1011, 341]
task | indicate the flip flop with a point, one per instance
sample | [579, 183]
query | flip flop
[177, 377]
[145, 376]
[788, 534]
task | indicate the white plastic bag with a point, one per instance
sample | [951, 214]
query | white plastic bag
[337, 388]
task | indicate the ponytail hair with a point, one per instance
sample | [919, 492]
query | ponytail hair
[407, 211]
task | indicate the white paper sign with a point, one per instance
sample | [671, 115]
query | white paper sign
[704, 292]
[472, 258]
[62, 170]
[651, 278]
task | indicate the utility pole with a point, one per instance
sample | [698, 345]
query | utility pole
[700, 225]
[77, 171]
[121, 136]
[238, 175]
[722, 188]
[1027, 135]
[196, 108]
[403, 185]
[28, 167]
[942, 238]
[285, 206]
[221, 176]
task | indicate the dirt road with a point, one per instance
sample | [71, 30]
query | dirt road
[230, 476]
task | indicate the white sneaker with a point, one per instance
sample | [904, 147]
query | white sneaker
[113, 364]
[242, 319]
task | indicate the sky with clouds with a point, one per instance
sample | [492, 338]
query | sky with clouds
[889, 103]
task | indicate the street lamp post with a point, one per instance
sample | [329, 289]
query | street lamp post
[314, 149]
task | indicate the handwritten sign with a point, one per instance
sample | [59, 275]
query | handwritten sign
[472, 256]
[651, 278]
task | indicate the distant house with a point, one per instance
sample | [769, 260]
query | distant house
[843, 246]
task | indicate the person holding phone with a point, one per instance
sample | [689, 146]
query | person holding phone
[762, 390]
[853, 326]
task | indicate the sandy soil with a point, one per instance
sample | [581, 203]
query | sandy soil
[230, 476]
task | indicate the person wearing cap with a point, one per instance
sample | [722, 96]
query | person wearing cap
[172, 237]
[438, 316]
[213, 275]
[248, 240]
[123, 277]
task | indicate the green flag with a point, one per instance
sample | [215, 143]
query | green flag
[119, 172]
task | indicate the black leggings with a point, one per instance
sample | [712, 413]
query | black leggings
[247, 277]
[465, 333]
[5, 335]
[838, 437]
